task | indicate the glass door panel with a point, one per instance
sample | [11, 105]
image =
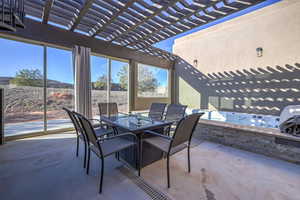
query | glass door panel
[99, 77]
[60, 88]
[119, 84]
[21, 76]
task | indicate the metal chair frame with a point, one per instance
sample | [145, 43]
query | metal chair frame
[78, 132]
[174, 113]
[97, 142]
[173, 141]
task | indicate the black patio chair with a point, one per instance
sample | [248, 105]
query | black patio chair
[156, 111]
[100, 132]
[108, 109]
[105, 146]
[174, 113]
[171, 145]
[78, 132]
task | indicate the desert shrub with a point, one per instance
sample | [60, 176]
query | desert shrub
[28, 77]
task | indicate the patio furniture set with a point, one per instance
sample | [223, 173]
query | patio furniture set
[136, 139]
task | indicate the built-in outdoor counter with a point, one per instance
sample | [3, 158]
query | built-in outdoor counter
[267, 141]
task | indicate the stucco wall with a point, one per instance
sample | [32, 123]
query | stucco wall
[228, 61]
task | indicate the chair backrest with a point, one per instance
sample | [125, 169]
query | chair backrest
[74, 120]
[108, 109]
[184, 129]
[157, 110]
[88, 130]
[175, 112]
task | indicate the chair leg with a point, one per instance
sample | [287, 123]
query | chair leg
[101, 176]
[140, 155]
[85, 152]
[117, 155]
[168, 170]
[189, 159]
[77, 146]
[137, 158]
[88, 161]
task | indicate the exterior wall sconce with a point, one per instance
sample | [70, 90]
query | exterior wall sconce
[259, 51]
[195, 62]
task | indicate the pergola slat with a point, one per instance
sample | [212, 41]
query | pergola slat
[114, 17]
[83, 11]
[147, 18]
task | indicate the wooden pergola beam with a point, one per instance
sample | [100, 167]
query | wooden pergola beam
[46, 12]
[171, 3]
[35, 33]
[85, 8]
[102, 28]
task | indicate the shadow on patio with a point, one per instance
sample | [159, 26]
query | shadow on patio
[46, 168]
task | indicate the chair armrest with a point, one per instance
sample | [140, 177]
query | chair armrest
[123, 113]
[116, 136]
[95, 120]
[158, 134]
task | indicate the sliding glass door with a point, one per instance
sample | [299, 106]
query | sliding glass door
[38, 83]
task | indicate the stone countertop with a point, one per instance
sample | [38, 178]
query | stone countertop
[272, 132]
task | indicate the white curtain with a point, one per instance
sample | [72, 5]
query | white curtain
[82, 78]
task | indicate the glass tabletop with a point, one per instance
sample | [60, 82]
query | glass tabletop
[133, 121]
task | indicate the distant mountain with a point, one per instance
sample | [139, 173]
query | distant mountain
[57, 84]
[5, 80]
[50, 83]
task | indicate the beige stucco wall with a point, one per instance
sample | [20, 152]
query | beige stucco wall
[232, 45]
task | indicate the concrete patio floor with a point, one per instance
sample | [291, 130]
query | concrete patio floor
[219, 172]
[46, 168]
[35, 126]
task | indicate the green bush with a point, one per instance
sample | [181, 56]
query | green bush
[28, 77]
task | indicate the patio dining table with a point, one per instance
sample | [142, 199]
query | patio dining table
[137, 124]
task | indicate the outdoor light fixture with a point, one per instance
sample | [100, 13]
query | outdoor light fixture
[259, 51]
[11, 15]
[196, 63]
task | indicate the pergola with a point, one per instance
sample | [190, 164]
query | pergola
[123, 29]
[135, 24]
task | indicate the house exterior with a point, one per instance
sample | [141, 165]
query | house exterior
[237, 78]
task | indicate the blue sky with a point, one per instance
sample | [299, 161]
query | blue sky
[16, 55]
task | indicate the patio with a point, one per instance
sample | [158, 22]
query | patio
[233, 64]
[218, 172]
